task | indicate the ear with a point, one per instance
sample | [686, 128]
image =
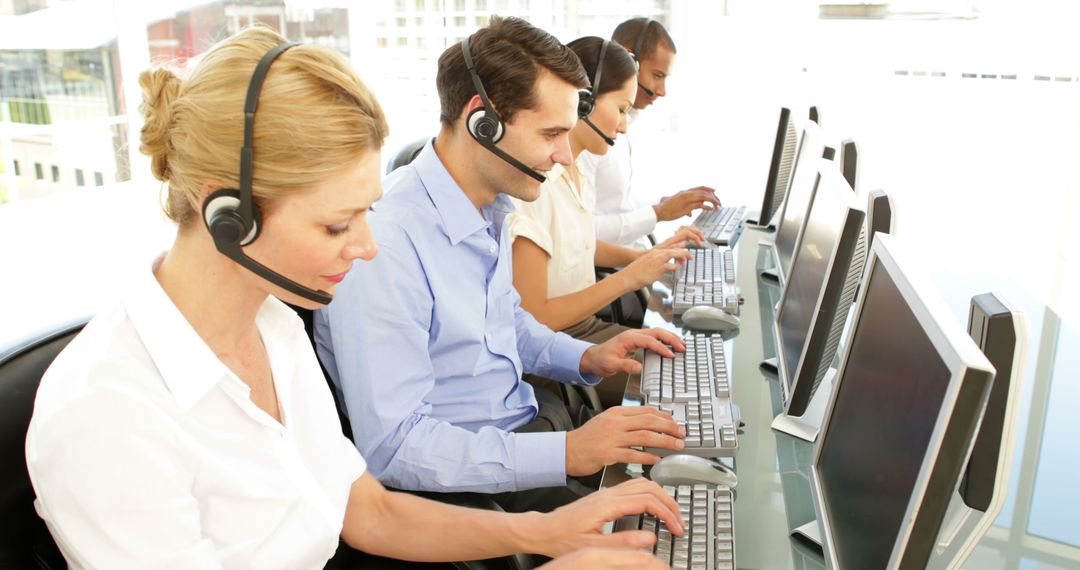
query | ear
[206, 189]
[475, 103]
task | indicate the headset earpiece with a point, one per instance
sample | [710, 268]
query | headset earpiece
[221, 213]
[586, 103]
[484, 128]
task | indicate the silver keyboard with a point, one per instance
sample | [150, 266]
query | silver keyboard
[707, 279]
[709, 540]
[695, 389]
[722, 226]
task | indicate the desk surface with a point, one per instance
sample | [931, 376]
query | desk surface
[773, 493]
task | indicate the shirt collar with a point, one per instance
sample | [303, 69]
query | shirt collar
[459, 216]
[188, 366]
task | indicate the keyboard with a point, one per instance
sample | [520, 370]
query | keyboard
[695, 389]
[709, 540]
[722, 226]
[707, 279]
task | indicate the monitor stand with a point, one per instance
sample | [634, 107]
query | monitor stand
[770, 277]
[809, 533]
[771, 367]
[806, 426]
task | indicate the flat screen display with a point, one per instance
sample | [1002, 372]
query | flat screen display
[886, 406]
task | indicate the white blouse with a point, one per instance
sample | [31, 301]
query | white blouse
[561, 223]
[145, 450]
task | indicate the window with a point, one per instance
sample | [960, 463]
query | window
[55, 173]
[79, 180]
[459, 5]
[38, 172]
[17, 168]
[99, 179]
[459, 21]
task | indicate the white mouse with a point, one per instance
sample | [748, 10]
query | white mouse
[682, 469]
[710, 319]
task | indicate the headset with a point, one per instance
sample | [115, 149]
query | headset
[638, 45]
[231, 215]
[587, 97]
[484, 124]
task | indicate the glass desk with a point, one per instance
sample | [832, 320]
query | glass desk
[773, 493]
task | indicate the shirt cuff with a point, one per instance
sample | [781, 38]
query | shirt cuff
[539, 459]
[643, 220]
[566, 353]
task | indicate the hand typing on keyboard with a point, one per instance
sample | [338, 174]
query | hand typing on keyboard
[683, 235]
[650, 266]
[606, 559]
[611, 437]
[614, 356]
[683, 203]
[581, 523]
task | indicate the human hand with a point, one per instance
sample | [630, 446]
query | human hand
[607, 559]
[611, 437]
[683, 235]
[651, 266]
[581, 523]
[613, 355]
[682, 203]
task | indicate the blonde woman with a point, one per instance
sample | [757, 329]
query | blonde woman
[190, 426]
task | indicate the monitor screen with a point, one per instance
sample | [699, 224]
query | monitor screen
[824, 223]
[886, 406]
[799, 195]
[816, 301]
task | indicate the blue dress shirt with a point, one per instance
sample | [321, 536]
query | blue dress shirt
[426, 345]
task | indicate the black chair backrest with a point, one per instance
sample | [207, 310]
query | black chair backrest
[406, 154]
[25, 541]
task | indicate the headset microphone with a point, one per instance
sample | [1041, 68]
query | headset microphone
[231, 215]
[587, 98]
[638, 45]
[485, 125]
[607, 139]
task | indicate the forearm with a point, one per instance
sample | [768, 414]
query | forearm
[611, 255]
[403, 526]
[558, 313]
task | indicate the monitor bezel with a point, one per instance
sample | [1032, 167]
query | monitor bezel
[969, 382]
[853, 220]
[811, 133]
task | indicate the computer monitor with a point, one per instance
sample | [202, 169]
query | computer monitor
[1001, 333]
[814, 305]
[849, 158]
[800, 194]
[783, 157]
[899, 427]
[878, 214]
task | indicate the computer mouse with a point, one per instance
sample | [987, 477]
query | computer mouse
[710, 319]
[682, 469]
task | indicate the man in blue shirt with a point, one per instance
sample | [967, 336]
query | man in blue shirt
[427, 348]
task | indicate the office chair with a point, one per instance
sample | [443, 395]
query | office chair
[25, 541]
[349, 559]
[406, 154]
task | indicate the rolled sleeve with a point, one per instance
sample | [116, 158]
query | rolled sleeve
[523, 224]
